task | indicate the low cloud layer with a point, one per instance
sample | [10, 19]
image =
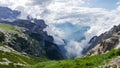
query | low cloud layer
[42, 3]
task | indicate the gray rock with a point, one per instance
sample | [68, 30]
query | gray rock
[105, 42]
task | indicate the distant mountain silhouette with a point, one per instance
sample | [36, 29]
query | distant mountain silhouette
[7, 13]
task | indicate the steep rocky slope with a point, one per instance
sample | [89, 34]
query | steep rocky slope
[105, 42]
[27, 36]
[9, 57]
[19, 46]
[38, 43]
[114, 63]
[104, 52]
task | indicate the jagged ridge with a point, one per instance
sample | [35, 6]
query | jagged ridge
[105, 42]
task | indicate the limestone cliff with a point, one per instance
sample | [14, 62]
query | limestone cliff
[28, 37]
[105, 42]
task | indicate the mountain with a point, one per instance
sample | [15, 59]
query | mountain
[104, 52]
[105, 42]
[7, 13]
[22, 41]
[25, 44]
[35, 30]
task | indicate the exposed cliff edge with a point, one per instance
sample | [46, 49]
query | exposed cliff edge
[24, 42]
[105, 42]
[28, 37]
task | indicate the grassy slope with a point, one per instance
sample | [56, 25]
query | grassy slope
[85, 62]
[8, 28]
[13, 56]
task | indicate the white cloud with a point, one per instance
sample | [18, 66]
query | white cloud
[28, 7]
[41, 3]
[57, 33]
[99, 19]
[73, 49]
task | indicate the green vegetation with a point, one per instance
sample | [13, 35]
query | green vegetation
[85, 62]
[15, 57]
[15, 37]
[9, 28]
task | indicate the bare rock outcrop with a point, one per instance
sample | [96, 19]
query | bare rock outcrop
[105, 42]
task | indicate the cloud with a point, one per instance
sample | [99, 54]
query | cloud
[73, 49]
[57, 33]
[28, 7]
[99, 20]
[41, 3]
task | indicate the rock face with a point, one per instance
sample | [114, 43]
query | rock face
[32, 39]
[7, 13]
[105, 42]
[115, 63]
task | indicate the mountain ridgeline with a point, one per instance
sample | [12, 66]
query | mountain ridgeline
[103, 52]
[25, 41]
[25, 44]
[105, 42]
[38, 42]
[7, 13]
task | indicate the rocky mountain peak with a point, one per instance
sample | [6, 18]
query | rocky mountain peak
[105, 42]
[7, 13]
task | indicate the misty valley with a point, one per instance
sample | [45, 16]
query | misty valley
[59, 34]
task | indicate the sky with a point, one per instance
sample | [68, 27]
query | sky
[99, 15]
[107, 4]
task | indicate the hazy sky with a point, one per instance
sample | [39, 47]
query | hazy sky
[107, 4]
